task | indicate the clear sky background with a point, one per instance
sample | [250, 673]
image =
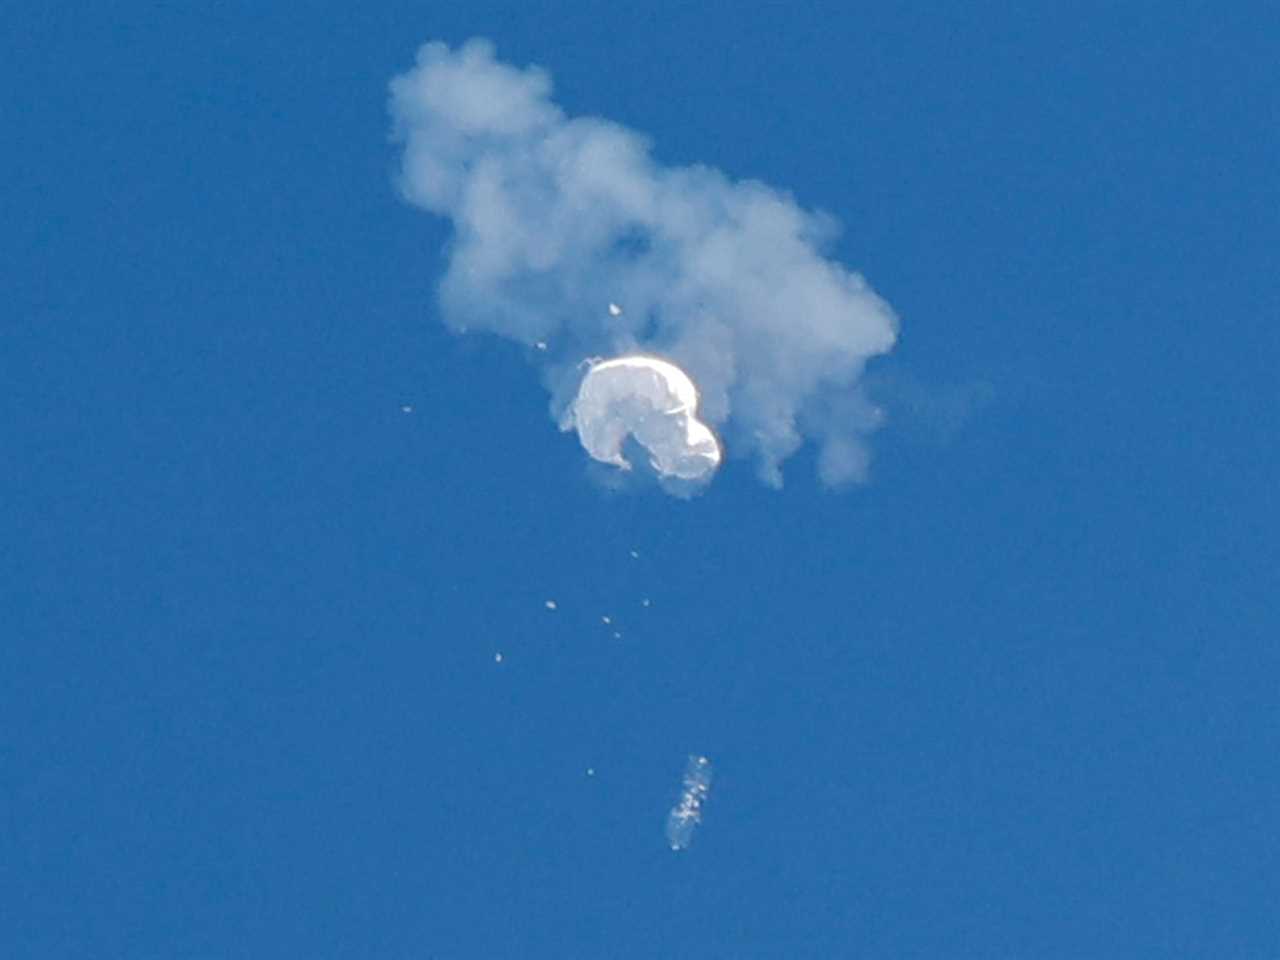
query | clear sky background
[1018, 695]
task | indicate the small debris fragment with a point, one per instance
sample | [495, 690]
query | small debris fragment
[644, 602]
[497, 657]
[635, 555]
[606, 620]
[406, 408]
[541, 344]
[591, 771]
[551, 604]
[615, 310]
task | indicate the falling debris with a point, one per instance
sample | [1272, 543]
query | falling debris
[606, 620]
[497, 658]
[635, 555]
[406, 408]
[541, 344]
[653, 401]
[551, 604]
[687, 813]
[615, 310]
[617, 635]
[591, 771]
[644, 602]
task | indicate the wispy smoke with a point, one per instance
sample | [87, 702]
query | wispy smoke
[557, 217]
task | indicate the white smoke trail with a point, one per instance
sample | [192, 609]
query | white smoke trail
[557, 217]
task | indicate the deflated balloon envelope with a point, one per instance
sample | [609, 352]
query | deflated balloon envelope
[653, 401]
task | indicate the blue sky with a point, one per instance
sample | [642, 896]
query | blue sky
[1016, 695]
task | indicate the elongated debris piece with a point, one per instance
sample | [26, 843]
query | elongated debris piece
[687, 813]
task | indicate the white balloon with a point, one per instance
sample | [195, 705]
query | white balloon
[653, 401]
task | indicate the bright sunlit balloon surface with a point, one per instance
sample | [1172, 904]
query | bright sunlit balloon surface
[652, 401]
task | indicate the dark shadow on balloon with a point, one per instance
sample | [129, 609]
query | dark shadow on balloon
[641, 477]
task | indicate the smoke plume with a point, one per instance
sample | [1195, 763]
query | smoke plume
[572, 240]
